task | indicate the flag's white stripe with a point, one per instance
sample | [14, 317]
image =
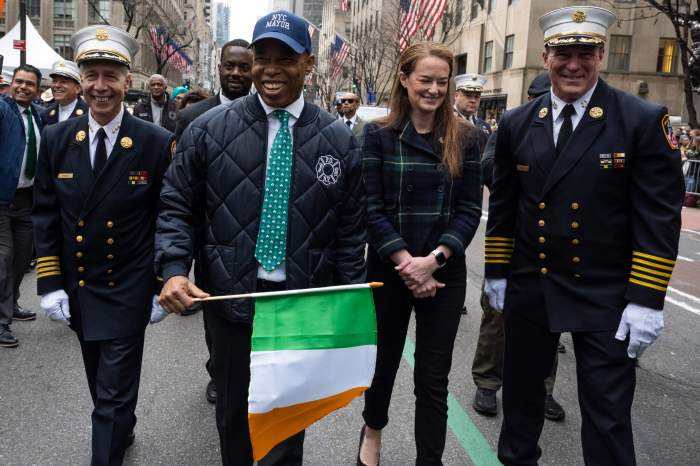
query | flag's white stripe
[285, 378]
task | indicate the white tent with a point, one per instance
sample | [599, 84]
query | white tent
[39, 53]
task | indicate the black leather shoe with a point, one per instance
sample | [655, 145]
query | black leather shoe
[553, 410]
[211, 392]
[7, 339]
[359, 447]
[485, 402]
[196, 307]
[20, 313]
[130, 439]
[561, 348]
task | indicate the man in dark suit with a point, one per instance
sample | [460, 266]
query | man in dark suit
[20, 134]
[351, 102]
[235, 80]
[96, 199]
[157, 107]
[582, 236]
[65, 88]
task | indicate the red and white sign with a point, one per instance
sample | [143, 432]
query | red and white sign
[19, 45]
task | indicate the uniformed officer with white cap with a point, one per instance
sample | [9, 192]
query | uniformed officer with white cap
[468, 89]
[65, 89]
[582, 237]
[97, 190]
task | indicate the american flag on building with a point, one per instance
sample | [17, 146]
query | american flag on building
[339, 53]
[344, 5]
[168, 49]
[418, 15]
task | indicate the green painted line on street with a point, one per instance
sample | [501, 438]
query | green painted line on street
[468, 435]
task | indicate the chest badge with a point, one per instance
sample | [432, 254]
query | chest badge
[52, 112]
[596, 112]
[328, 170]
[543, 112]
[79, 112]
[80, 136]
[126, 142]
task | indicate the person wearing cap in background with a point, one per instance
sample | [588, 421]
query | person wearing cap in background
[65, 88]
[487, 367]
[178, 96]
[582, 236]
[468, 89]
[157, 107]
[284, 161]
[20, 135]
[96, 197]
[5, 83]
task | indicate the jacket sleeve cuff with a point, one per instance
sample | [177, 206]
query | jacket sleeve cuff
[454, 242]
[391, 246]
[48, 284]
[173, 269]
[645, 296]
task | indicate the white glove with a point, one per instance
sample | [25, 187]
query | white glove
[157, 312]
[55, 305]
[643, 324]
[495, 289]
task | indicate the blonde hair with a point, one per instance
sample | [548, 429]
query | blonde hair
[446, 126]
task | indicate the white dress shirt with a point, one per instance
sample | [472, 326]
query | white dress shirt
[273, 125]
[112, 130]
[65, 112]
[23, 181]
[224, 99]
[353, 121]
[579, 110]
[157, 111]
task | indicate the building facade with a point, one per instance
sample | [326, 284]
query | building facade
[222, 22]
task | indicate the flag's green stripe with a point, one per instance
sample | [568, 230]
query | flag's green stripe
[337, 319]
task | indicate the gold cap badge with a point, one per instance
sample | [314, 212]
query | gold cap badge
[579, 16]
[596, 112]
[80, 136]
[101, 34]
[543, 112]
[79, 112]
[126, 142]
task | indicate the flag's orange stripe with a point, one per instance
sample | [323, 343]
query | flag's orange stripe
[269, 429]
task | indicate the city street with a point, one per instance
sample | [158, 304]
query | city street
[45, 404]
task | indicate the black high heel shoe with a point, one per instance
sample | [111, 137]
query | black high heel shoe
[359, 447]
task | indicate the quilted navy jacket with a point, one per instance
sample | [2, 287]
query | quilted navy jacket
[214, 191]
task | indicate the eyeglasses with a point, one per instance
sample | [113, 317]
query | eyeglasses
[347, 101]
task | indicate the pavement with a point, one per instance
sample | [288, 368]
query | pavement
[45, 405]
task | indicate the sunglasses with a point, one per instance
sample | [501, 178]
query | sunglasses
[347, 101]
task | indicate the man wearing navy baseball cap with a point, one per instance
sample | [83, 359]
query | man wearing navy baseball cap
[276, 184]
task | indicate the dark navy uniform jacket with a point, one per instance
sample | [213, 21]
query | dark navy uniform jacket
[50, 115]
[601, 228]
[94, 237]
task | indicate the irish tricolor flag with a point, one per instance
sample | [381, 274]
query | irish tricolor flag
[313, 351]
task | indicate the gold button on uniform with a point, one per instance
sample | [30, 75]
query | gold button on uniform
[81, 269]
[110, 224]
[544, 270]
[79, 239]
[79, 254]
[543, 255]
[110, 256]
[81, 223]
[574, 205]
[541, 239]
[110, 241]
[542, 205]
[541, 223]
[575, 241]
[81, 283]
[574, 225]
[111, 284]
[576, 260]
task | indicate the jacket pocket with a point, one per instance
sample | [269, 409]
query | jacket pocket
[322, 266]
[219, 262]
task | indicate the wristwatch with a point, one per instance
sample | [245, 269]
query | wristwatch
[439, 257]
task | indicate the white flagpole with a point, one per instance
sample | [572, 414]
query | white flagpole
[290, 292]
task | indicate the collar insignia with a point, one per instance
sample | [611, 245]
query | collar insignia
[596, 112]
[126, 142]
[543, 112]
[80, 136]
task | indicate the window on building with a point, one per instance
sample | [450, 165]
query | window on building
[490, 6]
[488, 56]
[508, 51]
[63, 13]
[668, 56]
[98, 11]
[461, 64]
[61, 44]
[475, 10]
[619, 53]
[33, 7]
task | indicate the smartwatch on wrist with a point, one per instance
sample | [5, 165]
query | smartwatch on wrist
[439, 257]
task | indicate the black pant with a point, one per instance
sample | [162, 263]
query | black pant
[113, 369]
[230, 368]
[437, 320]
[16, 248]
[606, 381]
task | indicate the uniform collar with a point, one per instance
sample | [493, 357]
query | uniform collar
[579, 105]
[111, 128]
[293, 109]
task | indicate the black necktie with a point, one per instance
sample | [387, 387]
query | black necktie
[100, 153]
[349, 123]
[566, 128]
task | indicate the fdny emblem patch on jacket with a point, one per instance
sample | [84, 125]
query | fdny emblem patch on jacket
[328, 170]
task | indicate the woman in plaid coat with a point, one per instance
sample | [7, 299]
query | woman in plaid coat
[421, 166]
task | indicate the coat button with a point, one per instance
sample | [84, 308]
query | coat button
[440, 189]
[542, 205]
[81, 269]
[110, 241]
[542, 240]
[543, 255]
[81, 283]
[79, 255]
[110, 256]
[544, 270]
[111, 284]
[575, 259]
[409, 188]
[574, 225]
[110, 224]
[575, 241]
[574, 206]
[540, 223]
[81, 223]
[79, 239]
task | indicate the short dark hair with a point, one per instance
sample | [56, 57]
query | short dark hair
[28, 69]
[234, 43]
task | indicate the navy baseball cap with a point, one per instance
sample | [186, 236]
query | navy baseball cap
[286, 27]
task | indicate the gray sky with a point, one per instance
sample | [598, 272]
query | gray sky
[244, 14]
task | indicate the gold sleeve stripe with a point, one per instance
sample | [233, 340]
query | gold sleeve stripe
[48, 274]
[47, 264]
[48, 269]
[498, 255]
[47, 258]
[653, 257]
[490, 249]
[507, 245]
[499, 238]
[648, 285]
[655, 272]
[652, 264]
[497, 261]
[649, 278]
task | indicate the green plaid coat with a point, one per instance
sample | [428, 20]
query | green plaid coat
[412, 202]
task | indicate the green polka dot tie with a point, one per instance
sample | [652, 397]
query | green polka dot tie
[271, 246]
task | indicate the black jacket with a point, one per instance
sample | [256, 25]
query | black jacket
[598, 230]
[217, 181]
[50, 114]
[187, 115]
[94, 237]
[143, 111]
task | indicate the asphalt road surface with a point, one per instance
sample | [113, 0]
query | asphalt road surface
[45, 405]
